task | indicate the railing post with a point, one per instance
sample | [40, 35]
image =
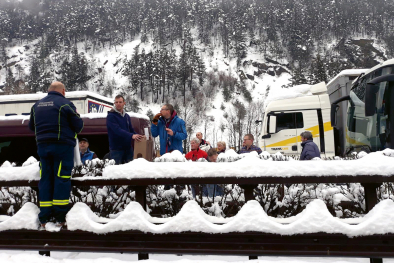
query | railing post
[248, 191]
[371, 199]
[140, 195]
[143, 256]
[44, 253]
[376, 260]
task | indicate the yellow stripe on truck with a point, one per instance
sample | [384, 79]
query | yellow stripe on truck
[314, 130]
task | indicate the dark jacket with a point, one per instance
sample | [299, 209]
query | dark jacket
[88, 155]
[251, 149]
[120, 131]
[309, 150]
[170, 143]
[55, 119]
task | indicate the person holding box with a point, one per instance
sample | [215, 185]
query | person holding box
[120, 132]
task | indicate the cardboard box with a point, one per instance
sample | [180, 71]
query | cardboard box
[143, 149]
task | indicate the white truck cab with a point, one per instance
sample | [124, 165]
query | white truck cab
[286, 119]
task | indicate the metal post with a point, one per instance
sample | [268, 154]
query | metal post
[44, 253]
[371, 199]
[248, 191]
[140, 195]
[143, 256]
[376, 260]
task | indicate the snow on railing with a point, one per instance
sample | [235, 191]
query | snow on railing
[314, 219]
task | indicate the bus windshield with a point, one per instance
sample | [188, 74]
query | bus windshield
[370, 133]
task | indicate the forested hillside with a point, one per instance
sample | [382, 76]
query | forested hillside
[210, 58]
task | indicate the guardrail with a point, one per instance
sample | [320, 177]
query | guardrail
[253, 244]
[246, 244]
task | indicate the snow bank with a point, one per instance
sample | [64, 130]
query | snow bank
[230, 164]
[30, 172]
[252, 217]
[251, 165]
[25, 218]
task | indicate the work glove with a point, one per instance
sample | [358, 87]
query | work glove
[156, 119]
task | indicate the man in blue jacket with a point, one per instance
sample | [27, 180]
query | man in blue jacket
[120, 132]
[85, 152]
[170, 128]
[55, 121]
[309, 148]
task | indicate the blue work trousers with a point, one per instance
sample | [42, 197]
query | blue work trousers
[121, 157]
[56, 163]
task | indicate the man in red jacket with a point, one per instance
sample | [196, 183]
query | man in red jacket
[195, 153]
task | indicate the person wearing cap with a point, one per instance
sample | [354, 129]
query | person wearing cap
[86, 154]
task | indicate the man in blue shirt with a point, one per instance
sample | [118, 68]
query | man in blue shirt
[55, 121]
[120, 132]
[86, 154]
[248, 145]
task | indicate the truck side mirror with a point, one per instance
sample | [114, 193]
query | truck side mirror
[370, 93]
[370, 99]
[272, 128]
[334, 108]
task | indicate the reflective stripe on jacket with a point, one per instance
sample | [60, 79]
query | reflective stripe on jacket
[55, 119]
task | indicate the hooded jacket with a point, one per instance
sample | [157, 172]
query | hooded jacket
[120, 131]
[54, 119]
[170, 143]
[309, 150]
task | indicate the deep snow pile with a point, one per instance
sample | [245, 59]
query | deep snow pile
[229, 164]
[252, 217]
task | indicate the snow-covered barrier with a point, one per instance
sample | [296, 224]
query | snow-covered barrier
[252, 217]
[252, 165]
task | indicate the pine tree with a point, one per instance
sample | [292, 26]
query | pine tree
[35, 76]
[9, 87]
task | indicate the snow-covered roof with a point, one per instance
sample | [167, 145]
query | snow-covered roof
[383, 64]
[288, 93]
[104, 115]
[347, 72]
[69, 95]
[87, 115]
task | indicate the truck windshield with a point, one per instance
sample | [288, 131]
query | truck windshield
[368, 133]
